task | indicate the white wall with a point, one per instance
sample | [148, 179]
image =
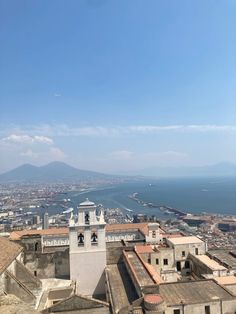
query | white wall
[87, 268]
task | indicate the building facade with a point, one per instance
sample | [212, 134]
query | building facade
[88, 250]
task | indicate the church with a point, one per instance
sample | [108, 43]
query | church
[88, 250]
[91, 267]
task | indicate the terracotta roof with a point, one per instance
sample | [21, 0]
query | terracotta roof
[17, 235]
[143, 227]
[153, 273]
[153, 298]
[9, 251]
[143, 249]
[138, 268]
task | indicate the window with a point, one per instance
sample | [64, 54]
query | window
[177, 311]
[80, 239]
[178, 266]
[86, 218]
[35, 273]
[196, 251]
[36, 246]
[183, 253]
[207, 309]
[165, 261]
[187, 264]
[149, 260]
[157, 261]
[153, 234]
[94, 238]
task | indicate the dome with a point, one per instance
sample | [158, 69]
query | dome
[153, 298]
[154, 302]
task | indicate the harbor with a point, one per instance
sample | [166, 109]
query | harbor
[166, 209]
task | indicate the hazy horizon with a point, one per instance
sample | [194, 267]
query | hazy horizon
[117, 86]
[223, 169]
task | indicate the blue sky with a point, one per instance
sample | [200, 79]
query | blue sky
[117, 85]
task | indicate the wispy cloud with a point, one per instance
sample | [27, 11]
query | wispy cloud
[102, 131]
[42, 133]
[121, 154]
[54, 153]
[27, 139]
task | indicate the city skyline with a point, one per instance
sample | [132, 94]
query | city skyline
[113, 87]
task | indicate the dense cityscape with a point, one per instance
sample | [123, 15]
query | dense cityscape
[23, 206]
[49, 248]
[117, 157]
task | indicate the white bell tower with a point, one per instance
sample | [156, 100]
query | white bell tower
[88, 250]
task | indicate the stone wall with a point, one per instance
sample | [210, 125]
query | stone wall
[14, 286]
[26, 277]
[215, 307]
[200, 269]
[2, 284]
[228, 306]
[78, 304]
[51, 264]
[62, 264]
[114, 252]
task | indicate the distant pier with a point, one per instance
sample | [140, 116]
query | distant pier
[161, 207]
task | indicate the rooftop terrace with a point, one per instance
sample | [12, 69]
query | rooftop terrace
[226, 280]
[185, 240]
[212, 264]
[224, 257]
[193, 292]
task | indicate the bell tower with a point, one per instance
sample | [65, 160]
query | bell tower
[88, 250]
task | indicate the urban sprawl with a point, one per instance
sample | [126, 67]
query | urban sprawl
[61, 257]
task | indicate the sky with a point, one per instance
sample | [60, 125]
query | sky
[116, 85]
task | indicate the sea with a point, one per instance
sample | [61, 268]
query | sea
[191, 195]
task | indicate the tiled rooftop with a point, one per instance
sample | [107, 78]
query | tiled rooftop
[17, 235]
[224, 257]
[143, 249]
[143, 227]
[138, 269]
[191, 292]
[8, 252]
[153, 298]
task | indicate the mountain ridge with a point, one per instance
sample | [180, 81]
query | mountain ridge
[62, 172]
[54, 171]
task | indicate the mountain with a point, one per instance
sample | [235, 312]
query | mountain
[61, 172]
[52, 172]
[220, 169]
